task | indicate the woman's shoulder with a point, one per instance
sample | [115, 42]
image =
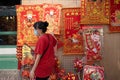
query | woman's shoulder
[43, 37]
[52, 35]
[48, 35]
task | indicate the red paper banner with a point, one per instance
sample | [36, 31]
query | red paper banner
[52, 13]
[27, 15]
[73, 39]
[114, 16]
[93, 40]
[94, 12]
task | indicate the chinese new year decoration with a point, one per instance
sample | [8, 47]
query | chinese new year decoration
[93, 39]
[114, 16]
[73, 39]
[52, 14]
[27, 15]
[27, 61]
[93, 73]
[94, 12]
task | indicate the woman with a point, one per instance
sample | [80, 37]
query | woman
[44, 53]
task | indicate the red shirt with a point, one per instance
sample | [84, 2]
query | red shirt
[46, 63]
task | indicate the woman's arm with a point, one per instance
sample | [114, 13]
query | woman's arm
[36, 61]
[38, 56]
[55, 49]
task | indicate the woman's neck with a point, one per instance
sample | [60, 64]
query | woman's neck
[42, 34]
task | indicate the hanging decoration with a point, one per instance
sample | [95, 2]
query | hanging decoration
[114, 16]
[94, 12]
[78, 65]
[19, 55]
[93, 40]
[73, 38]
[27, 61]
[27, 15]
[52, 13]
[93, 73]
[59, 41]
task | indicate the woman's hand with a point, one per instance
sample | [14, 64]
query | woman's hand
[32, 75]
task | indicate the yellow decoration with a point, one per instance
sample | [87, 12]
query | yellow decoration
[116, 1]
[26, 52]
[95, 12]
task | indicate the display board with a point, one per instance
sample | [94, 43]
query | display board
[73, 39]
[27, 15]
[94, 12]
[52, 14]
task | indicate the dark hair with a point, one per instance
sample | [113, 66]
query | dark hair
[41, 25]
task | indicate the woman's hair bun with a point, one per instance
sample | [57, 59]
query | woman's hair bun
[46, 24]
